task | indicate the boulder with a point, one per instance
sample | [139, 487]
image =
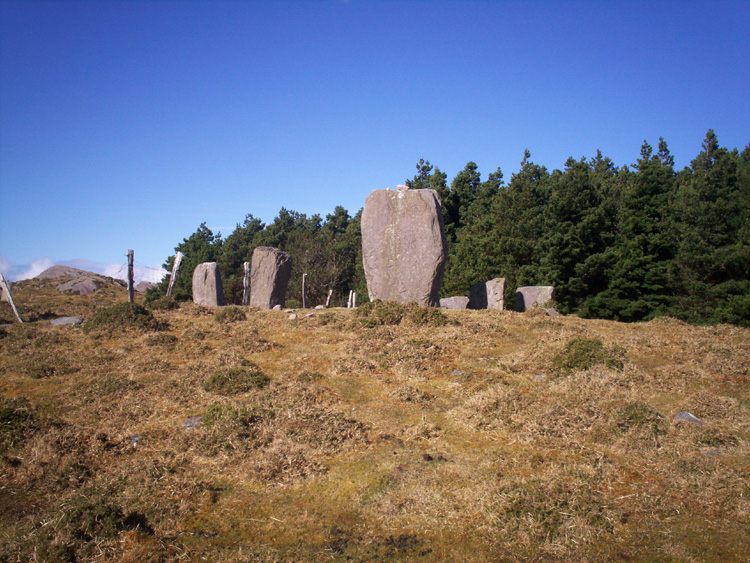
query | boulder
[78, 285]
[144, 286]
[66, 321]
[403, 246]
[488, 294]
[455, 302]
[527, 297]
[207, 289]
[270, 271]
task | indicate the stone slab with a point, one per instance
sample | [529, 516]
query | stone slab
[528, 296]
[404, 248]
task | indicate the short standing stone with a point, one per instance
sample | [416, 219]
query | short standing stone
[455, 302]
[488, 295]
[527, 297]
[207, 289]
[403, 246]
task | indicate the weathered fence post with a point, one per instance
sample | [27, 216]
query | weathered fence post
[131, 285]
[328, 300]
[175, 269]
[304, 303]
[246, 285]
[8, 297]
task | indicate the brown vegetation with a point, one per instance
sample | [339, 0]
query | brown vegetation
[385, 435]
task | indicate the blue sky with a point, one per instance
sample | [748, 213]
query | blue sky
[127, 124]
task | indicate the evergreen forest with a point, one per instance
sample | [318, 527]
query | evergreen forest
[627, 243]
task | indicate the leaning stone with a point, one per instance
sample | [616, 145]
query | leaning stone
[403, 246]
[293, 316]
[319, 307]
[207, 289]
[66, 321]
[685, 416]
[276, 307]
[269, 277]
[456, 302]
[488, 295]
[527, 297]
[308, 315]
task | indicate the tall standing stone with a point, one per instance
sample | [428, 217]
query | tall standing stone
[488, 295]
[207, 288]
[527, 297]
[270, 271]
[403, 246]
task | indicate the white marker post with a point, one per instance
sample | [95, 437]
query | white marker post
[175, 269]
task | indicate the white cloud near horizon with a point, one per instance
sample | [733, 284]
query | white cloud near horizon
[5, 267]
[35, 268]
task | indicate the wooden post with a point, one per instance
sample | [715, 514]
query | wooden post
[246, 285]
[131, 285]
[175, 269]
[328, 300]
[304, 303]
[8, 297]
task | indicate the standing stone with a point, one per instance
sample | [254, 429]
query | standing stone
[527, 297]
[455, 302]
[403, 246]
[269, 277]
[488, 295]
[207, 289]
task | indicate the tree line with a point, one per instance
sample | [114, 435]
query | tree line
[627, 243]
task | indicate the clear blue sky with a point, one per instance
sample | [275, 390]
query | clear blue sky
[127, 124]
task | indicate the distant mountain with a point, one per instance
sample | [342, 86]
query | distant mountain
[73, 280]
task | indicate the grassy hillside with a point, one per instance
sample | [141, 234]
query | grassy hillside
[447, 436]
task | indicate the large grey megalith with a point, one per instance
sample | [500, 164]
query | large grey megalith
[488, 294]
[528, 296]
[207, 288]
[270, 271]
[403, 246]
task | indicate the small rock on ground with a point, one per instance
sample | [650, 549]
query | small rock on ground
[685, 416]
[192, 422]
[66, 321]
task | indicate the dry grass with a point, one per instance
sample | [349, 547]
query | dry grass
[384, 436]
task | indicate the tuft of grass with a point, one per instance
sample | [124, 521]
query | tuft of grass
[16, 418]
[584, 353]
[234, 380]
[389, 313]
[161, 339]
[308, 376]
[640, 416]
[122, 317]
[231, 314]
[222, 413]
[162, 304]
